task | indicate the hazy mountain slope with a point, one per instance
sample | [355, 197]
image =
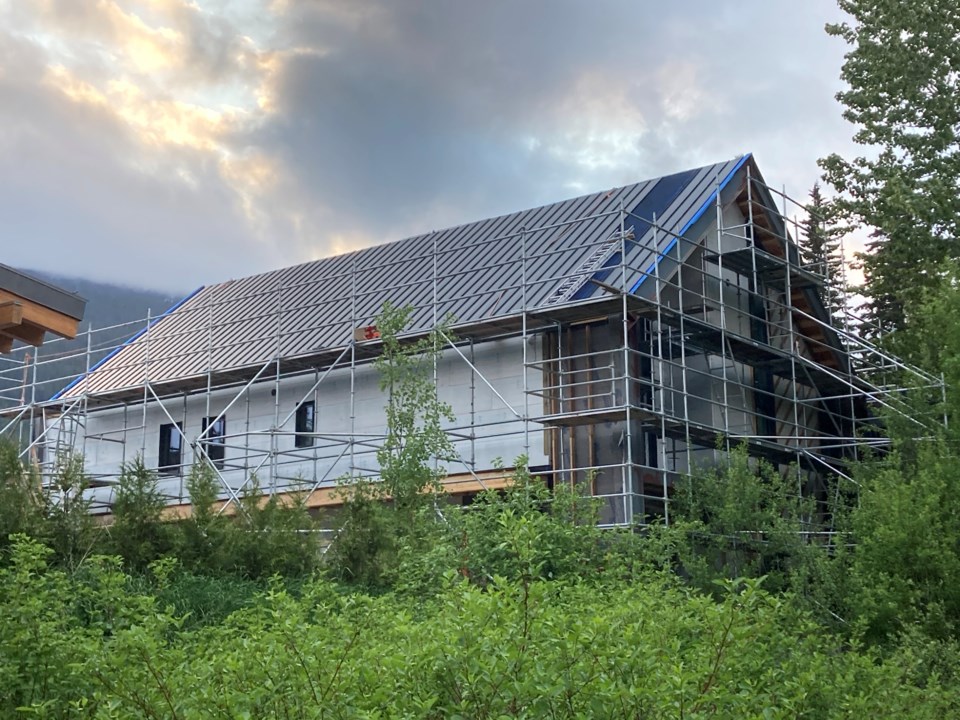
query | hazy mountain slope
[109, 304]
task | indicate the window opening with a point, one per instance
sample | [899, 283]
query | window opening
[304, 425]
[170, 457]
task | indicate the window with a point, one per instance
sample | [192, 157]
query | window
[171, 449]
[304, 424]
[215, 443]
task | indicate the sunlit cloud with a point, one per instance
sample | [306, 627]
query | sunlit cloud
[158, 122]
[256, 133]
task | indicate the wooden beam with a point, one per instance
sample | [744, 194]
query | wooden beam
[454, 485]
[27, 332]
[44, 317]
[11, 314]
[6, 344]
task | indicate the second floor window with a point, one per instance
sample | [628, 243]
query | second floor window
[216, 437]
[170, 457]
[305, 424]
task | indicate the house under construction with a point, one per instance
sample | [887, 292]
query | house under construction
[622, 338]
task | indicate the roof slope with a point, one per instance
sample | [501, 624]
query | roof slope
[481, 269]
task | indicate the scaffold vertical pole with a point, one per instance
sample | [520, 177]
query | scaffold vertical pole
[723, 319]
[662, 409]
[627, 476]
[146, 387]
[353, 371]
[523, 340]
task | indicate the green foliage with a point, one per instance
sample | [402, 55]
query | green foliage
[53, 625]
[523, 533]
[379, 517]
[822, 252]
[269, 535]
[515, 606]
[746, 519]
[510, 649]
[200, 537]
[196, 600]
[363, 552]
[58, 516]
[906, 568]
[905, 563]
[415, 441]
[69, 528]
[137, 534]
[39, 646]
[901, 73]
[263, 536]
[930, 336]
[22, 505]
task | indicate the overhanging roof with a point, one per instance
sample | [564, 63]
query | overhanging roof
[29, 308]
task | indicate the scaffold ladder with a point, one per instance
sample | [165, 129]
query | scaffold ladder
[593, 262]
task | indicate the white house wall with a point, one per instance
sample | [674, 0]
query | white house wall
[486, 430]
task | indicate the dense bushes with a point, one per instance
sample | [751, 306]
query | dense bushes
[93, 647]
[517, 605]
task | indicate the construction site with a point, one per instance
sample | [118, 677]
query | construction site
[621, 340]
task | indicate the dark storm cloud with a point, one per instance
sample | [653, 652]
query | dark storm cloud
[397, 115]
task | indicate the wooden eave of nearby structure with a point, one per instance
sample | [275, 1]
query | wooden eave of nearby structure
[30, 308]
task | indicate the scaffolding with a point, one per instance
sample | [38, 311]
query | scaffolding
[631, 376]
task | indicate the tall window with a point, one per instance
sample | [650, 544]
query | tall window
[304, 424]
[171, 449]
[215, 443]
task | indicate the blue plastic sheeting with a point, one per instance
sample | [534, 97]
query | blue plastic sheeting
[655, 203]
[692, 221]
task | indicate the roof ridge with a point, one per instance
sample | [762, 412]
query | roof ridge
[491, 219]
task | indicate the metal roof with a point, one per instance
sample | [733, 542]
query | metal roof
[493, 268]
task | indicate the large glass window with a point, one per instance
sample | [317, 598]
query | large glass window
[304, 425]
[171, 449]
[216, 438]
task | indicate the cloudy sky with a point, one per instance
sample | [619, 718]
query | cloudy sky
[171, 143]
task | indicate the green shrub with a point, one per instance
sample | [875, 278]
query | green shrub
[137, 533]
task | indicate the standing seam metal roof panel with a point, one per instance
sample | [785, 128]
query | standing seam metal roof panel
[479, 271]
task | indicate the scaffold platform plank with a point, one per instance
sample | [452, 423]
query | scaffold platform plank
[701, 335]
[769, 267]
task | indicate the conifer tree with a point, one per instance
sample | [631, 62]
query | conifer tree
[822, 254]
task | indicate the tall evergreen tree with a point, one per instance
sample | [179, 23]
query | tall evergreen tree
[903, 76]
[822, 253]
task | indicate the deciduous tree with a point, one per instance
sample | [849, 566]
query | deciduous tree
[903, 77]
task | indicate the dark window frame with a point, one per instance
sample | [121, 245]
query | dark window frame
[305, 422]
[215, 442]
[170, 454]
